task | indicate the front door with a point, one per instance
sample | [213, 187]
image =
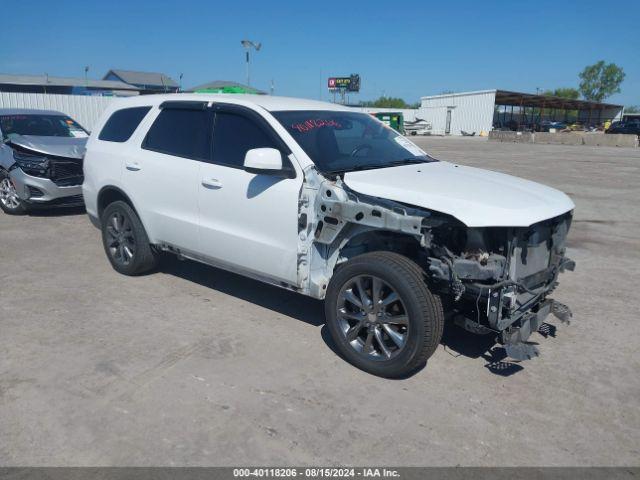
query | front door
[447, 128]
[248, 221]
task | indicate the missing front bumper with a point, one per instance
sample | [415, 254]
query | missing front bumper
[515, 339]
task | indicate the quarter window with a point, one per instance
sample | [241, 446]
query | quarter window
[234, 135]
[122, 124]
[180, 132]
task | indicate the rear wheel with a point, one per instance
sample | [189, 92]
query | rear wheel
[10, 202]
[125, 240]
[381, 314]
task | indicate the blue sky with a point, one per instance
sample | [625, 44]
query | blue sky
[406, 49]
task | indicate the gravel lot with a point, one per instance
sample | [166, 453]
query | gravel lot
[195, 366]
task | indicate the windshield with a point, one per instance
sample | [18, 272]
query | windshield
[41, 125]
[346, 141]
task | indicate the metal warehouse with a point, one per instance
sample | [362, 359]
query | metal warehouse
[481, 111]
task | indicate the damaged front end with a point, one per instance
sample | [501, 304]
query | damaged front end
[45, 179]
[492, 280]
[500, 278]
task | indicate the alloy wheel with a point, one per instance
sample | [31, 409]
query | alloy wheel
[8, 195]
[372, 317]
[121, 242]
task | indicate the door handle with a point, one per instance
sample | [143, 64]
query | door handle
[211, 183]
[133, 166]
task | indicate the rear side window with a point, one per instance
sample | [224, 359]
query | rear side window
[233, 136]
[122, 124]
[179, 132]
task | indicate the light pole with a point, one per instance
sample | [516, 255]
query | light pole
[247, 44]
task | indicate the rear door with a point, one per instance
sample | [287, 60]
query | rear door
[248, 221]
[162, 178]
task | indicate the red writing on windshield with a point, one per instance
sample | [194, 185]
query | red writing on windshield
[311, 124]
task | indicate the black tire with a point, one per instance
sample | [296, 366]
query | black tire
[20, 208]
[140, 257]
[423, 309]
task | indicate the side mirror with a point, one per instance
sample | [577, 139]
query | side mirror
[266, 161]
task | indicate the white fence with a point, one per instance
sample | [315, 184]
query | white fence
[84, 109]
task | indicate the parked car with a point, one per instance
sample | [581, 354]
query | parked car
[625, 127]
[40, 160]
[331, 203]
[548, 125]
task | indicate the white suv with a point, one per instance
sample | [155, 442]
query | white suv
[331, 203]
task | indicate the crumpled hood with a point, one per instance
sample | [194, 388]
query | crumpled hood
[69, 147]
[476, 197]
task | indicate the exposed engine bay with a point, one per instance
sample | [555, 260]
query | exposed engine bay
[63, 171]
[490, 279]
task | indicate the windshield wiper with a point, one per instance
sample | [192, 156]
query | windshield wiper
[406, 161]
[395, 163]
[372, 166]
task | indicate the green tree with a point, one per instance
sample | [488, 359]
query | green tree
[632, 109]
[600, 80]
[564, 92]
[387, 102]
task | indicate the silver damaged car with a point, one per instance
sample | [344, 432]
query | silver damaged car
[41, 153]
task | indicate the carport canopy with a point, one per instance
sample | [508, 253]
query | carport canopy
[516, 99]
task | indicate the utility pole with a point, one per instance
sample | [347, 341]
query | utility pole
[247, 44]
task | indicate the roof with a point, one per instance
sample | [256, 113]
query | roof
[28, 111]
[268, 102]
[506, 97]
[49, 81]
[219, 84]
[458, 94]
[150, 79]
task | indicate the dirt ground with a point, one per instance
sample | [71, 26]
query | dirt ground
[196, 366]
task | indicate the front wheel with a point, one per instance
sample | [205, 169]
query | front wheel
[10, 202]
[125, 240]
[382, 316]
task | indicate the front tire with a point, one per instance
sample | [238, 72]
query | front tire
[382, 316]
[125, 241]
[10, 202]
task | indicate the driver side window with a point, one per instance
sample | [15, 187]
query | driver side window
[233, 136]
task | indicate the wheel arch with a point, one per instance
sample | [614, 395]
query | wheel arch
[378, 240]
[109, 194]
[357, 240]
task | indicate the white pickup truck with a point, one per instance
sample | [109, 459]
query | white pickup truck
[331, 203]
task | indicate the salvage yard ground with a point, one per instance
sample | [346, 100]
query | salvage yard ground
[195, 366]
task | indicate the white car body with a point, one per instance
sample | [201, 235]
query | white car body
[292, 231]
